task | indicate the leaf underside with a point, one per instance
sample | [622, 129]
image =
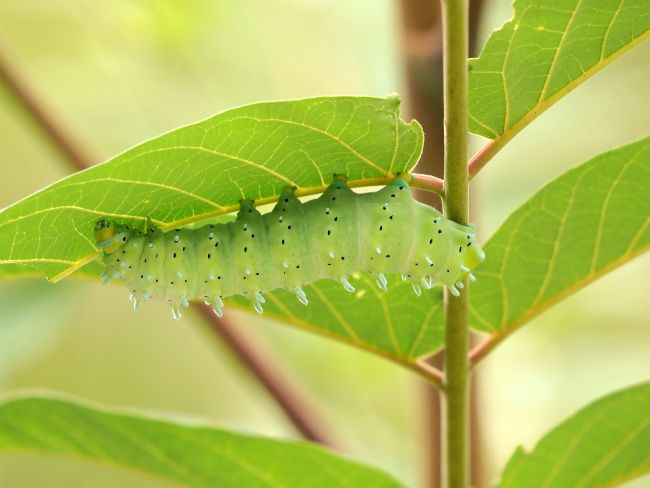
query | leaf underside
[205, 169]
[603, 445]
[588, 221]
[545, 51]
[396, 323]
[189, 454]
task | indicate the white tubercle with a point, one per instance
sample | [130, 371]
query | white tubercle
[416, 288]
[347, 285]
[382, 282]
[301, 296]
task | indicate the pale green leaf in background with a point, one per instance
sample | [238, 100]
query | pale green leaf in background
[29, 332]
[585, 223]
[603, 445]
[546, 50]
[189, 454]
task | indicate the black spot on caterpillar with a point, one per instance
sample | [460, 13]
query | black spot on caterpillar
[297, 244]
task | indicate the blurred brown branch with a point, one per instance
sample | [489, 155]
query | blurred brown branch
[71, 150]
[268, 374]
[262, 368]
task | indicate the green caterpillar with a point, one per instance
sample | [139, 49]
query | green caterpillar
[292, 246]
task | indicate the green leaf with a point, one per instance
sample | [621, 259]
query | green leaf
[603, 445]
[395, 324]
[187, 453]
[546, 50]
[203, 170]
[585, 223]
[8, 272]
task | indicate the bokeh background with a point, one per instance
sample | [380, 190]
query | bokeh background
[116, 73]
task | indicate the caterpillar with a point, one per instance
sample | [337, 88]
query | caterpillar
[295, 244]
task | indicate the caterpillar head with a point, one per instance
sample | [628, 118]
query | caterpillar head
[109, 236]
[473, 254]
[470, 252]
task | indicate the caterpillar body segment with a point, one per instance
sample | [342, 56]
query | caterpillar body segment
[292, 246]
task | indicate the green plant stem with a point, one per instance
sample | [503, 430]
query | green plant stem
[485, 154]
[456, 388]
[484, 347]
[455, 52]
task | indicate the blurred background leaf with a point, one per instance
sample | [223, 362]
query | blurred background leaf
[604, 444]
[191, 454]
[33, 331]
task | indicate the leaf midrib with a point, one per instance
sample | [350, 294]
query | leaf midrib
[165, 226]
[497, 337]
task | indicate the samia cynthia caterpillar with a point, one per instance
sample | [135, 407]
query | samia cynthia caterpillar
[295, 244]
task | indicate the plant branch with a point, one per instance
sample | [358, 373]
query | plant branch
[483, 348]
[455, 50]
[273, 380]
[485, 154]
[428, 183]
[430, 372]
